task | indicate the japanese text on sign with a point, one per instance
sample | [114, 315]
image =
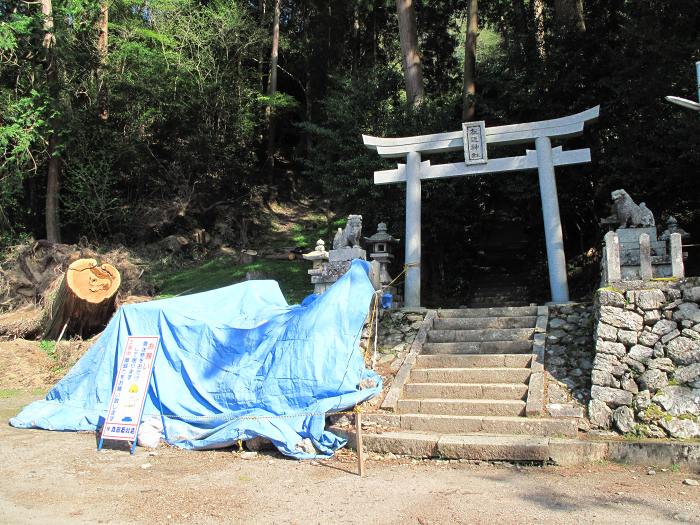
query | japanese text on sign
[130, 388]
[475, 142]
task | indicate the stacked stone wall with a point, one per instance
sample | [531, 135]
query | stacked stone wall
[646, 371]
[397, 330]
[569, 360]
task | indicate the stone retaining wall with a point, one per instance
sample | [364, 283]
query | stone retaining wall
[397, 330]
[569, 360]
[646, 370]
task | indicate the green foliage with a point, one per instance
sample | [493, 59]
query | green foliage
[48, 347]
[279, 101]
[90, 199]
[187, 127]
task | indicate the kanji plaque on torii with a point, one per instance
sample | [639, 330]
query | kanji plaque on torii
[543, 159]
[474, 142]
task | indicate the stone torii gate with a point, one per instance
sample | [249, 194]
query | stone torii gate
[473, 139]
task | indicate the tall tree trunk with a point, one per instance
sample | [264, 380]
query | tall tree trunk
[538, 17]
[413, 69]
[375, 37]
[53, 224]
[271, 90]
[355, 37]
[569, 15]
[469, 85]
[261, 67]
[102, 88]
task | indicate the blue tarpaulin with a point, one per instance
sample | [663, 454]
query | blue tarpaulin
[229, 359]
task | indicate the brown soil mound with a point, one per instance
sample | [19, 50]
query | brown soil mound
[23, 364]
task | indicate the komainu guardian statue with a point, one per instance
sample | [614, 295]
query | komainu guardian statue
[629, 214]
[350, 236]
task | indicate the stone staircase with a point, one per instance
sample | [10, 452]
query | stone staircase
[470, 387]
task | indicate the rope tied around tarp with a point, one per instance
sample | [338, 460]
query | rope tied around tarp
[232, 417]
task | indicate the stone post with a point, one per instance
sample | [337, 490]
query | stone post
[612, 257]
[677, 268]
[645, 257]
[374, 274]
[556, 261]
[413, 230]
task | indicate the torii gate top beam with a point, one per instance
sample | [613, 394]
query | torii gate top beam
[563, 127]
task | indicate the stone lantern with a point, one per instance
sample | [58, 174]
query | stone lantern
[319, 257]
[380, 251]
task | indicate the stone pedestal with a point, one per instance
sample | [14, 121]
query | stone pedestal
[347, 254]
[330, 266]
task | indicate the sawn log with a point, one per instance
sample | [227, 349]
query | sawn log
[84, 301]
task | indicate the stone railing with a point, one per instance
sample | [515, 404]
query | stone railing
[636, 254]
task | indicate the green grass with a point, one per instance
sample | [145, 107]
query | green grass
[48, 347]
[291, 275]
[305, 234]
[9, 393]
[307, 237]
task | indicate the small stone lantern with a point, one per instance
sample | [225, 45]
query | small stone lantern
[319, 257]
[380, 251]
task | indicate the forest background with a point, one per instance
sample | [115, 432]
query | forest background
[127, 121]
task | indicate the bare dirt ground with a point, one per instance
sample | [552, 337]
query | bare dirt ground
[59, 477]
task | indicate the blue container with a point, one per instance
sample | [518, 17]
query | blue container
[387, 301]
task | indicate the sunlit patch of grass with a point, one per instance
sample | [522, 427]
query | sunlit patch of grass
[291, 275]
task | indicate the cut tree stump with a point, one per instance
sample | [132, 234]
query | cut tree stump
[85, 299]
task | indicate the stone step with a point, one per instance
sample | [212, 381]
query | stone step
[469, 375]
[473, 361]
[478, 336]
[505, 289]
[493, 347]
[482, 447]
[564, 427]
[465, 390]
[462, 407]
[492, 299]
[475, 323]
[510, 299]
[487, 303]
[508, 311]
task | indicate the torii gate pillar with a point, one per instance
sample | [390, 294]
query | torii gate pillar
[556, 260]
[413, 230]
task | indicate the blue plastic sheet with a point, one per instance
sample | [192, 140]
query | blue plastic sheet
[228, 359]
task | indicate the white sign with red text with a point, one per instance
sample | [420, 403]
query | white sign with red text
[130, 388]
